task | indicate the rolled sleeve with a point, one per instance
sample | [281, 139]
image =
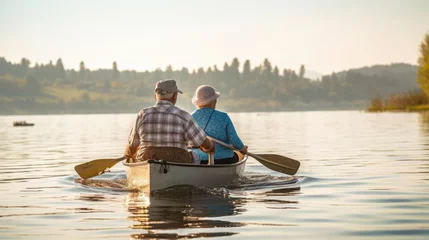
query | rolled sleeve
[134, 138]
[194, 134]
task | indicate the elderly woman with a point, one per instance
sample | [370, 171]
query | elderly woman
[217, 125]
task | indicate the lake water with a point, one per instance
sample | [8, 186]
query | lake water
[362, 176]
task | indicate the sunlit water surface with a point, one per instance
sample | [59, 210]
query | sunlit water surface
[362, 176]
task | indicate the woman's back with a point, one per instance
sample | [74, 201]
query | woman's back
[218, 125]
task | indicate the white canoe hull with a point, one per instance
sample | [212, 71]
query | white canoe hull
[156, 174]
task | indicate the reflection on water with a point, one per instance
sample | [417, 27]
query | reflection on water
[179, 208]
[193, 208]
[362, 176]
[424, 122]
[104, 183]
[190, 207]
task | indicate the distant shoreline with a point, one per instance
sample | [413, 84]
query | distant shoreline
[134, 112]
[413, 108]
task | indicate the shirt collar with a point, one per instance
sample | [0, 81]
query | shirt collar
[163, 102]
[163, 105]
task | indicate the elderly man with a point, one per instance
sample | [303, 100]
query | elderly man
[164, 131]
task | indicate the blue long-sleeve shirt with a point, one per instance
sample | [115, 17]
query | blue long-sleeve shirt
[218, 125]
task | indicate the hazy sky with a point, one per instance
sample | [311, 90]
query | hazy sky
[325, 35]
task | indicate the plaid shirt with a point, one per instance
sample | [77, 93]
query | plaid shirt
[165, 125]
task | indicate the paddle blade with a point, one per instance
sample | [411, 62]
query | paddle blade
[95, 167]
[278, 163]
[272, 161]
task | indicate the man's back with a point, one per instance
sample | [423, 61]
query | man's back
[165, 125]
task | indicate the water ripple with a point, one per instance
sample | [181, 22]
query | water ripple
[362, 176]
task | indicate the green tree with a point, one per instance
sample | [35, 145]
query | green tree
[276, 75]
[184, 74]
[115, 71]
[25, 65]
[301, 71]
[169, 72]
[200, 76]
[234, 72]
[225, 68]
[267, 70]
[247, 71]
[82, 71]
[49, 72]
[423, 71]
[61, 73]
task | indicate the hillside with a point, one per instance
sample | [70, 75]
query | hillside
[49, 88]
[383, 79]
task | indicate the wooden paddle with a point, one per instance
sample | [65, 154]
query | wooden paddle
[96, 167]
[272, 161]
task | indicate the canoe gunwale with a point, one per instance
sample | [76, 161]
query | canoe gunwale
[162, 162]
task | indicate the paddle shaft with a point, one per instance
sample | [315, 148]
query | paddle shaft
[259, 158]
[117, 160]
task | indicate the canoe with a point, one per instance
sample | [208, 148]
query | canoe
[153, 175]
[22, 124]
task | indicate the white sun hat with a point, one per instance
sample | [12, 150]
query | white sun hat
[204, 95]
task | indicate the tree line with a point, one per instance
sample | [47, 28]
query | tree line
[240, 84]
